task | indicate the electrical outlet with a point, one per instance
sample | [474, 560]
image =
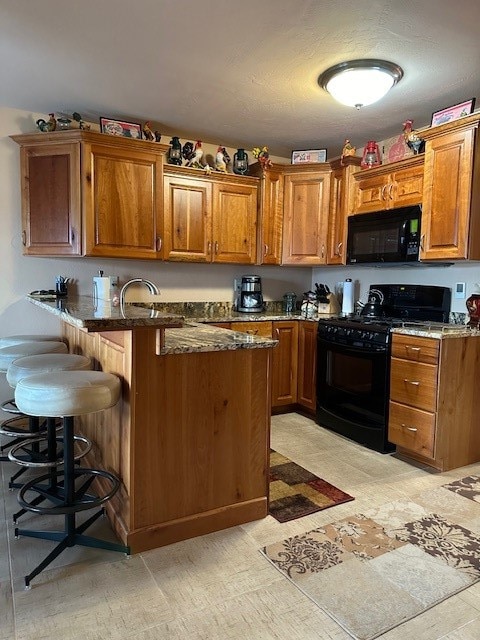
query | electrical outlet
[460, 288]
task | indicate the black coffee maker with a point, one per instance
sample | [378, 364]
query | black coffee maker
[251, 298]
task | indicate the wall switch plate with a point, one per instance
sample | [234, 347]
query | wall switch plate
[460, 288]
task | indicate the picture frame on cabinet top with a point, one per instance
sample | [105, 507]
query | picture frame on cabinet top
[306, 156]
[453, 113]
[121, 128]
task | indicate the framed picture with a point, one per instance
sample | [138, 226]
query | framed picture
[120, 128]
[453, 113]
[305, 156]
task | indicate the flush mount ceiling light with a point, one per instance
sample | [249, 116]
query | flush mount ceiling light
[358, 83]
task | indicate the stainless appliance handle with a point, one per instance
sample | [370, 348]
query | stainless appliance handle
[348, 349]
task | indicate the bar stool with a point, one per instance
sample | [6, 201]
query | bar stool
[24, 453]
[68, 394]
[10, 341]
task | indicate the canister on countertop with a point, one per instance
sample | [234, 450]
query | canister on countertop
[289, 302]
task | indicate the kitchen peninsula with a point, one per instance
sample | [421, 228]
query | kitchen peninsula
[189, 438]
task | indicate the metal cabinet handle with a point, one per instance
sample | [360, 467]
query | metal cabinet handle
[24, 238]
[382, 193]
[323, 250]
[216, 247]
[409, 347]
[72, 235]
[413, 429]
[390, 191]
[252, 332]
[414, 382]
[422, 239]
[338, 252]
[265, 249]
[159, 243]
[209, 247]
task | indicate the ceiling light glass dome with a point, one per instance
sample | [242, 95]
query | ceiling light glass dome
[358, 83]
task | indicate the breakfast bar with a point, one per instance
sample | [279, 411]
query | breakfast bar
[189, 438]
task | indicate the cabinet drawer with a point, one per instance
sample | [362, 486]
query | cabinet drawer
[414, 383]
[262, 328]
[412, 429]
[417, 349]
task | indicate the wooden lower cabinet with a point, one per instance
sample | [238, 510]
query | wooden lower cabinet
[433, 399]
[189, 438]
[307, 365]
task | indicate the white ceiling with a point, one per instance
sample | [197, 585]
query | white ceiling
[240, 73]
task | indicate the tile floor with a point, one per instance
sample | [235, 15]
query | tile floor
[216, 587]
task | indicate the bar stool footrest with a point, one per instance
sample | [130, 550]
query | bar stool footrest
[82, 501]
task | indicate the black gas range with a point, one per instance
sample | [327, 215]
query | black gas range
[353, 359]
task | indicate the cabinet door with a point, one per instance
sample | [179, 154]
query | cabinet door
[271, 218]
[51, 200]
[284, 363]
[371, 194]
[234, 223]
[446, 195]
[122, 202]
[187, 219]
[305, 218]
[406, 187]
[307, 364]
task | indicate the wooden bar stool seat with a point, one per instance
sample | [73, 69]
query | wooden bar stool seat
[68, 394]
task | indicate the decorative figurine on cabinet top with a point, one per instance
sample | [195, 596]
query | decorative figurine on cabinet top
[413, 140]
[47, 125]
[222, 159]
[81, 123]
[195, 159]
[348, 150]
[147, 132]
[158, 136]
[175, 151]
[262, 155]
[240, 162]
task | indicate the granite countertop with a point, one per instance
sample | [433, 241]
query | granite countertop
[180, 337]
[439, 331]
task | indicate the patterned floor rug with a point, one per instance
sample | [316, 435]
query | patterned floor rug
[295, 492]
[375, 570]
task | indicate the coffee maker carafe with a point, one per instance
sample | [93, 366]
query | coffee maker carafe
[251, 298]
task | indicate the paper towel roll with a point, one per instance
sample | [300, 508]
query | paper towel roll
[347, 301]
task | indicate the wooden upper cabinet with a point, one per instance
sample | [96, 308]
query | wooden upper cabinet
[389, 186]
[122, 201]
[305, 219]
[450, 220]
[187, 219]
[51, 199]
[270, 228]
[341, 204]
[209, 218]
[86, 193]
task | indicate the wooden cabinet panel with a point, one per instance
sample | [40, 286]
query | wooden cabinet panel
[284, 365]
[307, 364]
[447, 195]
[261, 328]
[412, 429]
[187, 219]
[399, 184]
[122, 200]
[51, 200]
[418, 349]
[234, 223]
[305, 218]
[341, 205]
[270, 231]
[414, 383]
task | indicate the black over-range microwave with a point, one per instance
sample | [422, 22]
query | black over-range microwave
[384, 236]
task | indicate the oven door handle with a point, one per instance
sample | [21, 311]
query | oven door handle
[348, 349]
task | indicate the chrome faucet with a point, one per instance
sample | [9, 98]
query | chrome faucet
[151, 286]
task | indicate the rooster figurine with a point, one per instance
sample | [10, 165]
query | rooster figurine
[413, 140]
[348, 150]
[195, 159]
[222, 159]
[47, 125]
[147, 132]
